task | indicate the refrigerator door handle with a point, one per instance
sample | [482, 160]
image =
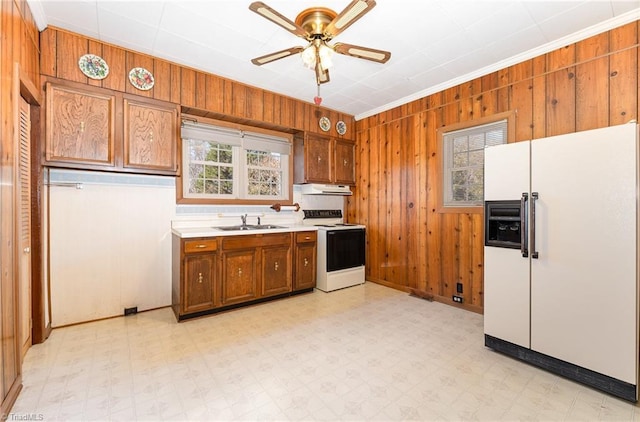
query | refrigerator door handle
[523, 224]
[534, 198]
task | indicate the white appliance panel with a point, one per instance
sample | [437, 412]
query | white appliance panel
[583, 289]
[506, 272]
[506, 171]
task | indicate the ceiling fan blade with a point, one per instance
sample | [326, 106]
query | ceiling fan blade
[372, 54]
[354, 11]
[268, 58]
[322, 76]
[275, 17]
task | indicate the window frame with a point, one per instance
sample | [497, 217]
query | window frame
[509, 116]
[240, 179]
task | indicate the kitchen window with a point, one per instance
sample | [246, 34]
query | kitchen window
[223, 164]
[462, 152]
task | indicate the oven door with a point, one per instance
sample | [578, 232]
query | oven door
[345, 249]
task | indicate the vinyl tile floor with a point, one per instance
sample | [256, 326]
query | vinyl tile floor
[365, 353]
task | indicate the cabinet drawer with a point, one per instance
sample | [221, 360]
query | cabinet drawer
[202, 245]
[256, 240]
[304, 237]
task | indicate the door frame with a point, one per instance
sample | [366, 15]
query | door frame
[25, 88]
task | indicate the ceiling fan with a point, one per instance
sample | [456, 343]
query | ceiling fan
[319, 25]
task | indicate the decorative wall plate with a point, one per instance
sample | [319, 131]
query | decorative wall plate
[341, 127]
[93, 66]
[325, 124]
[141, 78]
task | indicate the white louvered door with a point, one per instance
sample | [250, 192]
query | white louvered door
[24, 224]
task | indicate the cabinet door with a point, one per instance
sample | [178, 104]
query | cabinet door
[150, 135]
[305, 270]
[80, 126]
[239, 276]
[344, 162]
[317, 159]
[198, 288]
[276, 270]
[583, 284]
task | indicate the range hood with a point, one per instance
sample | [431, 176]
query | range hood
[318, 189]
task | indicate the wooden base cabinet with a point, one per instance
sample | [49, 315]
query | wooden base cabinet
[194, 277]
[215, 274]
[305, 260]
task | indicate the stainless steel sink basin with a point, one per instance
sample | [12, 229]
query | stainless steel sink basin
[249, 227]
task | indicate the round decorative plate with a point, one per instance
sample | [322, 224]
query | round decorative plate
[93, 66]
[325, 124]
[141, 78]
[341, 127]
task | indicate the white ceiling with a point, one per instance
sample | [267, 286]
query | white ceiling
[434, 44]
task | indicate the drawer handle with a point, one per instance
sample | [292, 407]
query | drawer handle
[306, 262]
[81, 127]
[345, 162]
[307, 238]
[201, 246]
[200, 278]
[275, 267]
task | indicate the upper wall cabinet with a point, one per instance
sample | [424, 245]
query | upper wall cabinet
[150, 131]
[100, 129]
[80, 126]
[321, 159]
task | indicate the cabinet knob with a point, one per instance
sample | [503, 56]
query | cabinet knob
[306, 262]
[345, 163]
[26, 250]
[239, 271]
[200, 278]
[81, 127]
[319, 158]
[275, 266]
[150, 136]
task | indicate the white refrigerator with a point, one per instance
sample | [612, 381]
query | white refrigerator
[568, 300]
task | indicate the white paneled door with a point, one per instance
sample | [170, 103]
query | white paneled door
[583, 283]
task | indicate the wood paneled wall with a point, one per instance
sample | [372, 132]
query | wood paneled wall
[586, 85]
[18, 44]
[199, 93]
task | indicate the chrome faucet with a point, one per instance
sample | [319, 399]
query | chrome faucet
[244, 219]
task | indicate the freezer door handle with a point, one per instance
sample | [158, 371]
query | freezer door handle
[534, 198]
[523, 224]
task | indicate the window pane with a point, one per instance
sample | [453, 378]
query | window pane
[476, 141]
[460, 160]
[459, 177]
[460, 144]
[476, 158]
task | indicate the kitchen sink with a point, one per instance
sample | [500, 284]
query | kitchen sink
[249, 227]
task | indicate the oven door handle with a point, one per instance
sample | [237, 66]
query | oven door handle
[523, 224]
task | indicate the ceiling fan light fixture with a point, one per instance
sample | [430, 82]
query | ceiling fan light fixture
[314, 51]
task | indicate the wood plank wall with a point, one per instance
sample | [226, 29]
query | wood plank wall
[199, 93]
[19, 43]
[590, 84]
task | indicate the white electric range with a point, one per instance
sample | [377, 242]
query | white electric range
[341, 250]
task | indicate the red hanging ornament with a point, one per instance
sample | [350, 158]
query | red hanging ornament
[318, 99]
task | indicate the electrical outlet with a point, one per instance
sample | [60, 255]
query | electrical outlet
[130, 311]
[457, 299]
[459, 287]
